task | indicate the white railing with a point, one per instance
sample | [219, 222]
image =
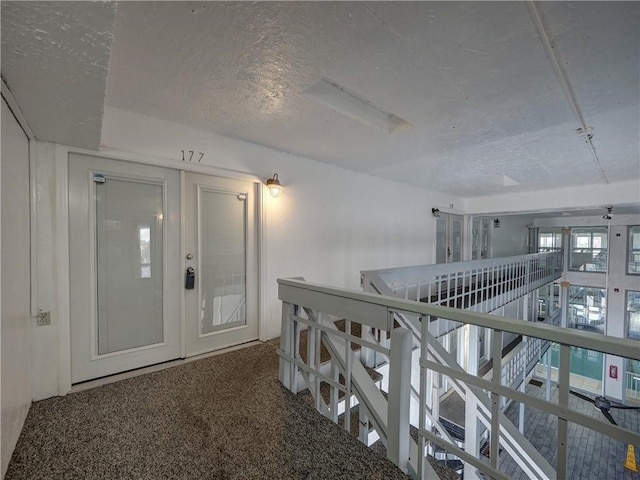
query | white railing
[633, 386]
[317, 306]
[479, 285]
[518, 363]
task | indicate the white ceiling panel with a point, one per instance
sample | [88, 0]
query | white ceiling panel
[472, 78]
[54, 60]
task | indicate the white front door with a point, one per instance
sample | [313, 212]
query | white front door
[128, 265]
[449, 240]
[221, 251]
[125, 269]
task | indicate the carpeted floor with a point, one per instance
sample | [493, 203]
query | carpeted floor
[224, 417]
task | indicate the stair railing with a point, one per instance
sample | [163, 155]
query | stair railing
[377, 311]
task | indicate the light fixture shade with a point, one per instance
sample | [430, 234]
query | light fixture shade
[274, 186]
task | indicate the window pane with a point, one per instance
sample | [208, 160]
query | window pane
[129, 239]
[633, 315]
[222, 254]
[633, 265]
[145, 251]
[589, 249]
[587, 308]
[549, 240]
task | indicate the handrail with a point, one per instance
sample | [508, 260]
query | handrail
[621, 347]
[415, 271]
[377, 311]
[480, 285]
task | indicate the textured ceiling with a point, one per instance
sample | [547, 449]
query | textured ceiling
[55, 57]
[487, 111]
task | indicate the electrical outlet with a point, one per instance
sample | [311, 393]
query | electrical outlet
[44, 318]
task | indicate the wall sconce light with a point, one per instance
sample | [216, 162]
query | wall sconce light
[435, 211]
[274, 186]
[496, 223]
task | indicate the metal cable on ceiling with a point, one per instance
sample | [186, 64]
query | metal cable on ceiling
[566, 87]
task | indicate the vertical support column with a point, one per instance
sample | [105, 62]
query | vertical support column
[334, 393]
[286, 345]
[399, 398]
[495, 397]
[563, 402]
[474, 356]
[367, 355]
[348, 355]
[472, 433]
[527, 345]
[363, 431]
[523, 387]
[564, 299]
[566, 250]
[423, 402]
[317, 337]
[548, 382]
[550, 298]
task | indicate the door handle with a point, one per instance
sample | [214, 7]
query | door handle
[190, 279]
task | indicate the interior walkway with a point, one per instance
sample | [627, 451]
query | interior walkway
[223, 417]
[591, 455]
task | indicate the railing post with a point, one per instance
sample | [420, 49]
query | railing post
[287, 341]
[399, 398]
[564, 366]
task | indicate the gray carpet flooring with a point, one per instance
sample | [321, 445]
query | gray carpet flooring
[224, 417]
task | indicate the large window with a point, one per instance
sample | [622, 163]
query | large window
[549, 241]
[589, 249]
[587, 308]
[633, 261]
[633, 315]
[633, 332]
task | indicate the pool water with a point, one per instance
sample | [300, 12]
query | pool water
[586, 363]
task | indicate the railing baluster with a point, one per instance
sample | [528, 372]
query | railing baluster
[503, 282]
[495, 398]
[563, 402]
[347, 376]
[399, 398]
[422, 405]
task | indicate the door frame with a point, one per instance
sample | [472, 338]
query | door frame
[60, 303]
[446, 215]
[226, 188]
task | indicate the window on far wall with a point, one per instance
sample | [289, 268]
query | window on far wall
[587, 308]
[633, 315]
[549, 241]
[633, 261]
[589, 249]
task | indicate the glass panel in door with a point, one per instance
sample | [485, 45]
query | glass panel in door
[222, 254]
[441, 240]
[475, 239]
[221, 250]
[456, 238]
[125, 271]
[129, 266]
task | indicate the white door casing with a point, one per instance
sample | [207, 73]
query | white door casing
[130, 228]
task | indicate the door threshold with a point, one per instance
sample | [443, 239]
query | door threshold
[99, 382]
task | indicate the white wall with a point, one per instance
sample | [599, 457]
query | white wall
[511, 238]
[15, 283]
[581, 197]
[329, 223]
